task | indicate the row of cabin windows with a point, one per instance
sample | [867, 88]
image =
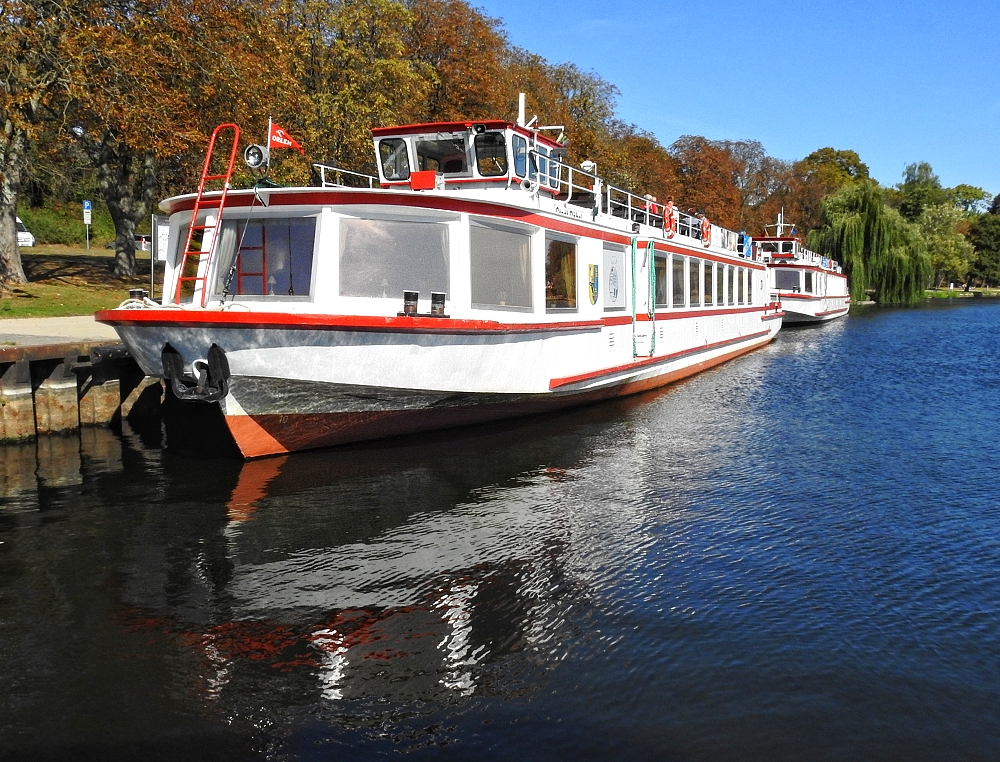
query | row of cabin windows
[382, 258]
[449, 155]
[693, 282]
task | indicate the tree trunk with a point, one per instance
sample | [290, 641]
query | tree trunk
[12, 153]
[115, 178]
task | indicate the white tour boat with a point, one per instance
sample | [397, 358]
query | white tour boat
[810, 288]
[478, 277]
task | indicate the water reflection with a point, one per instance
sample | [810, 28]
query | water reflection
[395, 570]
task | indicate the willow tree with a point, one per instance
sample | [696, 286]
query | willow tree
[882, 254]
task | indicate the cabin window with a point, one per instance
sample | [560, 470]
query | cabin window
[445, 155]
[542, 162]
[720, 285]
[732, 284]
[501, 268]
[265, 257]
[678, 287]
[383, 258]
[694, 265]
[750, 279]
[520, 146]
[491, 154]
[740, 285]
[809, 283]
[394, 159]
[613, 277]
[786, 280]
[560, 274]
[709, 283]
[660, 267]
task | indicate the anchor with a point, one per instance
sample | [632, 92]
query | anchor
[212, 382]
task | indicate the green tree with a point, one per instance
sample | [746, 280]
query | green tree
[984, 235]
[970, 199]
[882, 254]
[920, 188]
[950, 252]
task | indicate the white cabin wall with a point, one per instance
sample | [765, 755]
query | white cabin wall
[326, 262]
[459, 302]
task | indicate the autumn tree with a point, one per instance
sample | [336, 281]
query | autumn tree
[351, 60]
[466, 51]
[196, 69]
[37, 79]
[706, 172]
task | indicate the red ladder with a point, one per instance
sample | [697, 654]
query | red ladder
[200, 202]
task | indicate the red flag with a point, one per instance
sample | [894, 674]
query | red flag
[281, 139]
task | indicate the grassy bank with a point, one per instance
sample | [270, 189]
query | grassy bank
[958, 293]
[69, 280]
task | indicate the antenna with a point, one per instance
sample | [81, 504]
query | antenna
[520, 109]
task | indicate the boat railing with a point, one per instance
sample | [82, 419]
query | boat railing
[338, 176]
[577, 186]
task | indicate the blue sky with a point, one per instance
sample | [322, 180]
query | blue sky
[898, 82]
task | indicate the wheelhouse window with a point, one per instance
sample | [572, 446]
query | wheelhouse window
[540, 165]
[266, 257]
[520, 146]
[786, 280]
[445, 155]
[660, 264]
[678, 285]
[560, 274]
[694, 265]
[491, 154]
[383, 258]
[393, 157]
[501, 268]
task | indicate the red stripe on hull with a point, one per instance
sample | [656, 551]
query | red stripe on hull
[275, 434]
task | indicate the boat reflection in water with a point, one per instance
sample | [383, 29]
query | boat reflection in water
[394, 571]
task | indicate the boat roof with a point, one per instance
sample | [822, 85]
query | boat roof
[489, 124]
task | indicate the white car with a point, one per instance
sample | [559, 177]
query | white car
[24, 237]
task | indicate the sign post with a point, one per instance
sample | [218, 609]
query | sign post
[86, 220]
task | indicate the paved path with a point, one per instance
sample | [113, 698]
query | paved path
[34, 332]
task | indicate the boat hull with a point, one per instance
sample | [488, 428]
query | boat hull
[299, 388]
[803, 310]
[271, 416]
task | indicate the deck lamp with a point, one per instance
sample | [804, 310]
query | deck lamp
[256, 156]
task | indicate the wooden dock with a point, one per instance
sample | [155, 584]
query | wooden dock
[58, 374]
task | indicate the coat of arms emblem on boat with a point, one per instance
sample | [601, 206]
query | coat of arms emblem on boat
[594, 283]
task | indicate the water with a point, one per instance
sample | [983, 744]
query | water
[795, 556]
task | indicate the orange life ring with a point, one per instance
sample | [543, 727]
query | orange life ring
[670, 220]
[706, 232]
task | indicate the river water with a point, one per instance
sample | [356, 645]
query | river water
[794, 556]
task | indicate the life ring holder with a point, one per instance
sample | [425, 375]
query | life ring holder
[670, 220]
[706, 232]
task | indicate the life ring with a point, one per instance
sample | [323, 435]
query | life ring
[706, 232]
[670, 220]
